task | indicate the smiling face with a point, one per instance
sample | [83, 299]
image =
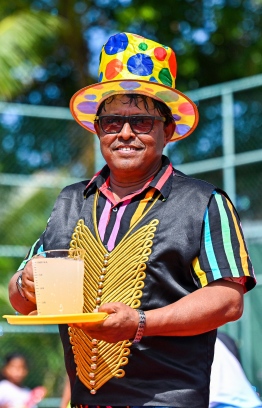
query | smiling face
[130, 156]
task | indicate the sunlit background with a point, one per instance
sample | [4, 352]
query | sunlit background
[49, 49]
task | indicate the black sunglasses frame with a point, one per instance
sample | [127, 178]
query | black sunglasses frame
[129, 120]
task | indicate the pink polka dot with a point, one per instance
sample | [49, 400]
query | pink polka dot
[186, 108]
[160, 53]
[99, 86]
[113, 68]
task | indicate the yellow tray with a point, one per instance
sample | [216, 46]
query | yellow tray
[56, 319]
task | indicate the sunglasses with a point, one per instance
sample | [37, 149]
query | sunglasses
[139, 123]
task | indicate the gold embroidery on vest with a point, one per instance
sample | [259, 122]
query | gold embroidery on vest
[117, 276]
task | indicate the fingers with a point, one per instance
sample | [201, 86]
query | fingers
[33, 313]
[120, 325]
[28, 285]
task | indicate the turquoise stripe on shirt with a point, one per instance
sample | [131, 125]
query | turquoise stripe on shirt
[210, 250]
[227, 243]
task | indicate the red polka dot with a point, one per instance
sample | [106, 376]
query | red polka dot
[149, 89]
[113, 68]
[99, 86]
[172, 63]
[186, 108]
[160, 53]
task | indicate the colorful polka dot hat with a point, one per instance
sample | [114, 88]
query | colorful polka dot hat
[130, 63]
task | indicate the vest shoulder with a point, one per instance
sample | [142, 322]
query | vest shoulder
[75, 188]
[193, 182]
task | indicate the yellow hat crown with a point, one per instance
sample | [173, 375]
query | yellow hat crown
[130, 63]
[129, 56]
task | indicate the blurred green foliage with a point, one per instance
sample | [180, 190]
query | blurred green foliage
[214, 40]
[43, 352]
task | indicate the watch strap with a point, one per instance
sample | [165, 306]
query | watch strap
[141, 326]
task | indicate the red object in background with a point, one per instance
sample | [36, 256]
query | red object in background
[36, 395]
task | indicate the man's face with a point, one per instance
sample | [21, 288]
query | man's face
[128, 154]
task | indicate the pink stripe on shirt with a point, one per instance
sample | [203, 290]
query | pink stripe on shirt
[104, 219]
[112, 238]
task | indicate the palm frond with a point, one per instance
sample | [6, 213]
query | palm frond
[23, 39]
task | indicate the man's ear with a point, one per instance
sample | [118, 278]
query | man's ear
[169, 131]
[97, 129]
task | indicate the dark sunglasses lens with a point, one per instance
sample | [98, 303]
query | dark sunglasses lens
[111, 124]
[114, 124]
[141, 124]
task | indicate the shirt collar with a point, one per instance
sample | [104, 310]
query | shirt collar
[161, 182]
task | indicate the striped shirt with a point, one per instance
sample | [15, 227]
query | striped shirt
[223, 252]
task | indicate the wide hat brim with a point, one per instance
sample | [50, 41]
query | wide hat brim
[85, 102]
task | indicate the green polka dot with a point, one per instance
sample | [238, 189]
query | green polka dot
[107, 93]
[143, 46]
[165, 77]
[167, 96]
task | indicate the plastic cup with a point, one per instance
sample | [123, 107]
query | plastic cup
[58, 277]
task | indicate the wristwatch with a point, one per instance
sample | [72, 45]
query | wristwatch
[19, 283]
[141, 326]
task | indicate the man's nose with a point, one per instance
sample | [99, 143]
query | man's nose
[126, 131]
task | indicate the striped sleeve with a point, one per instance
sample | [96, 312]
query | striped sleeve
[36, 248]
[223, 252]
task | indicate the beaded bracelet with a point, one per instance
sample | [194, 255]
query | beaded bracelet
[141, 326]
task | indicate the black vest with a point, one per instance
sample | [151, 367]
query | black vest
[162, 371]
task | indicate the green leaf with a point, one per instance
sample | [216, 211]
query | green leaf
[24, 39]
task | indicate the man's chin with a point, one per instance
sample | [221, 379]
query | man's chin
[125, 165]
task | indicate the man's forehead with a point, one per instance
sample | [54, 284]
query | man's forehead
[127, 101]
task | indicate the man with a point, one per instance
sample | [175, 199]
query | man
[165, 255]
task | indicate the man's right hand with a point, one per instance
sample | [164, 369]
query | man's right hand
[27, 304]
[28, 284]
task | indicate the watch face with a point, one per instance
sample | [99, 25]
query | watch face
[19, 280]
[19, 286]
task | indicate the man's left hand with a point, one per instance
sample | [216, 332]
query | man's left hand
[121, 323]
